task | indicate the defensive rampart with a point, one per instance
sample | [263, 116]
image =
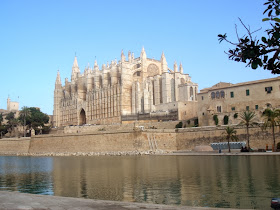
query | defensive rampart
[130, 140]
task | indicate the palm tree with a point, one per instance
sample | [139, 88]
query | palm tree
[230, 135]
[271, 117]
[24, 113]
[247, 119]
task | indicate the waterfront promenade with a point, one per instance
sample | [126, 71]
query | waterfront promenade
[16, 200]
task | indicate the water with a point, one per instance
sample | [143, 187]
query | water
[209, 181]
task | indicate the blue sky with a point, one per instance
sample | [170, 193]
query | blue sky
[39, 37]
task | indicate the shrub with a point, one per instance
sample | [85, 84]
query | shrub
[215, 118]
[179, 125]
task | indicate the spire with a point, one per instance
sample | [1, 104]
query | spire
[129, 56]
[163, 63]
[75, 69]
[175, 67]
[58, 80]
[122, 57]
[181, 68]
[95, 65]
[75, 63]
[143, 54]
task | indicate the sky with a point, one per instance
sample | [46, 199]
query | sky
[39, 37]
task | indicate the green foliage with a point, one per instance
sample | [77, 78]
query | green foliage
[179, 125]
[271, 117]
[225, 120]
[1, 119]
[34, 118]
[216, 120]
[230, 133]
[248, 119]
[262, 53]
[3, 130]
[235, 115]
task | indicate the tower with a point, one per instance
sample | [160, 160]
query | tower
[57, 98]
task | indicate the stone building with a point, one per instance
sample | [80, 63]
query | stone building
[226, 99]
[130, 89]
[12, 105]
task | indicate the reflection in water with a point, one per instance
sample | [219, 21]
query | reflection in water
[26, 174]
[214, 181]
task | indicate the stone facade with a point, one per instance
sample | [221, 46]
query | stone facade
[12, 106]
[232, 99]
[124, 90]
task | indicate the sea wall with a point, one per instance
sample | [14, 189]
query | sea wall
[104, 141]
[14, 145]
[131, 140]
[187, 139]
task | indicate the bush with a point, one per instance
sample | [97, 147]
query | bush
[235, 115]
[215, 118]
[225, 120]
[179, 125]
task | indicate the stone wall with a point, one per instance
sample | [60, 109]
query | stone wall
[188, 138]
[14, 145]
[131, 140]
[104, 142]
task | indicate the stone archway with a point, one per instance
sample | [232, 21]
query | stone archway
[82, 119]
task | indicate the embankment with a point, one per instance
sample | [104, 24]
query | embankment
[125, 141]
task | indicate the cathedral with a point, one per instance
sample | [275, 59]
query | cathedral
[125, 91]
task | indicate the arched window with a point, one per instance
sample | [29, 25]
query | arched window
[213, 95]
[191, 93]
[222, 93]
[217, 94]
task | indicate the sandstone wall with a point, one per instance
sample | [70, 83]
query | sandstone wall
[188, 138]
[129, 140]
[103, 142]
[14, 145]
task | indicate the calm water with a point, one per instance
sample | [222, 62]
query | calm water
[214, 181]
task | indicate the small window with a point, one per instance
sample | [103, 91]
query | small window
[232, 94]
[219, 109]
[268, 89]
[202, 98]
[247, 108]
[256, 107]
[202, 113]
[268, 105]
[247, 92]
[233, 108]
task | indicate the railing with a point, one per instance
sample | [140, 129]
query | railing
[151, 116]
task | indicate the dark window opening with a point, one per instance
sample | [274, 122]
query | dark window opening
[247, 108]
[213, 95]
[222, 93]
[256, 107]
[232, 94]
[268, 89]
[247, 92]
